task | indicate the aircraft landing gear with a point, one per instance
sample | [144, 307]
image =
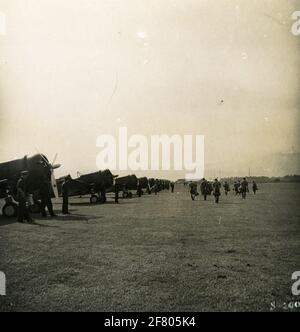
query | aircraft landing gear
[94, 199]
[10, 210]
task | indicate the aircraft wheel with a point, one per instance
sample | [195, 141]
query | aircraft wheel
[35, 208]
[10, 210]
[94, 199]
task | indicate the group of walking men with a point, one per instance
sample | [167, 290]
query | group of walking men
[207, 188]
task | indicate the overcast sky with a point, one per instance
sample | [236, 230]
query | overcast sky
[74, 69]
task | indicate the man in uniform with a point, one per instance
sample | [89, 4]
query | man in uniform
[193, 190]
[236, 188]
[23, 212]
[65, 195]
[46, 199]
[217, 190]
[116, 194]
[254, 187]
[172, 187]
[103, 197]
[204, 187]
[244, 188]
[139, 189]
[156, 187]
[226, 188]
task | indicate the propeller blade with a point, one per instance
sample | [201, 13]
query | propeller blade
[54, 160]
[55, 166]
[54, 186]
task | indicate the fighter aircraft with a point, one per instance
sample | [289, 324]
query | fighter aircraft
[126, 184]
[158, 185]
[96, 184]
[151, 185]
[39, 169]
[144, 183]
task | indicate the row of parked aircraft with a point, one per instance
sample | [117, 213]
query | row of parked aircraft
[96, 185]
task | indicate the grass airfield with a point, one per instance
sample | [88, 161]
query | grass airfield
[156, 253]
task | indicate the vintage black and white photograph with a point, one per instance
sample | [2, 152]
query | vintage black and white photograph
[150, 157]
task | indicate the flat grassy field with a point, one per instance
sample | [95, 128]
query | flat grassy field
[156, 253]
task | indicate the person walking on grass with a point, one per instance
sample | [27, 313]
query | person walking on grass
[217, 190]
[244, 188]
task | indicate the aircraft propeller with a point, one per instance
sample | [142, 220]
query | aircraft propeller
[52, 167]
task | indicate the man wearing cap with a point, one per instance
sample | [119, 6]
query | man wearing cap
[217, 190]
[23, 212]
[139, 189]
[244, 188]
[46, 199]
[254, 187]
[194, 190]
[65, 195]
[226, 188]
[172, 187]
[204, 188]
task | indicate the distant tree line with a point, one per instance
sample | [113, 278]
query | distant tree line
[259, 179]
[266, 179]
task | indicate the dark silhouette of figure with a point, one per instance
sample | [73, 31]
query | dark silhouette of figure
[217, 190]
[193, 190]
[116, 194]
[46, 199]
[102, 195]
[156, 187]
[65, 195]
[139, 190]
[226, 188]
[254, 187]
[236, 188]
[23, 212]
[172, 187]
[204, 188]
[244, 188]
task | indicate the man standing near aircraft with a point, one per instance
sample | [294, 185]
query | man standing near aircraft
[46, 199]
[116, 193]
[23, 212]
[172, 187]
[65, 195]
[139, 189]
[103, 198]
[156, 189]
